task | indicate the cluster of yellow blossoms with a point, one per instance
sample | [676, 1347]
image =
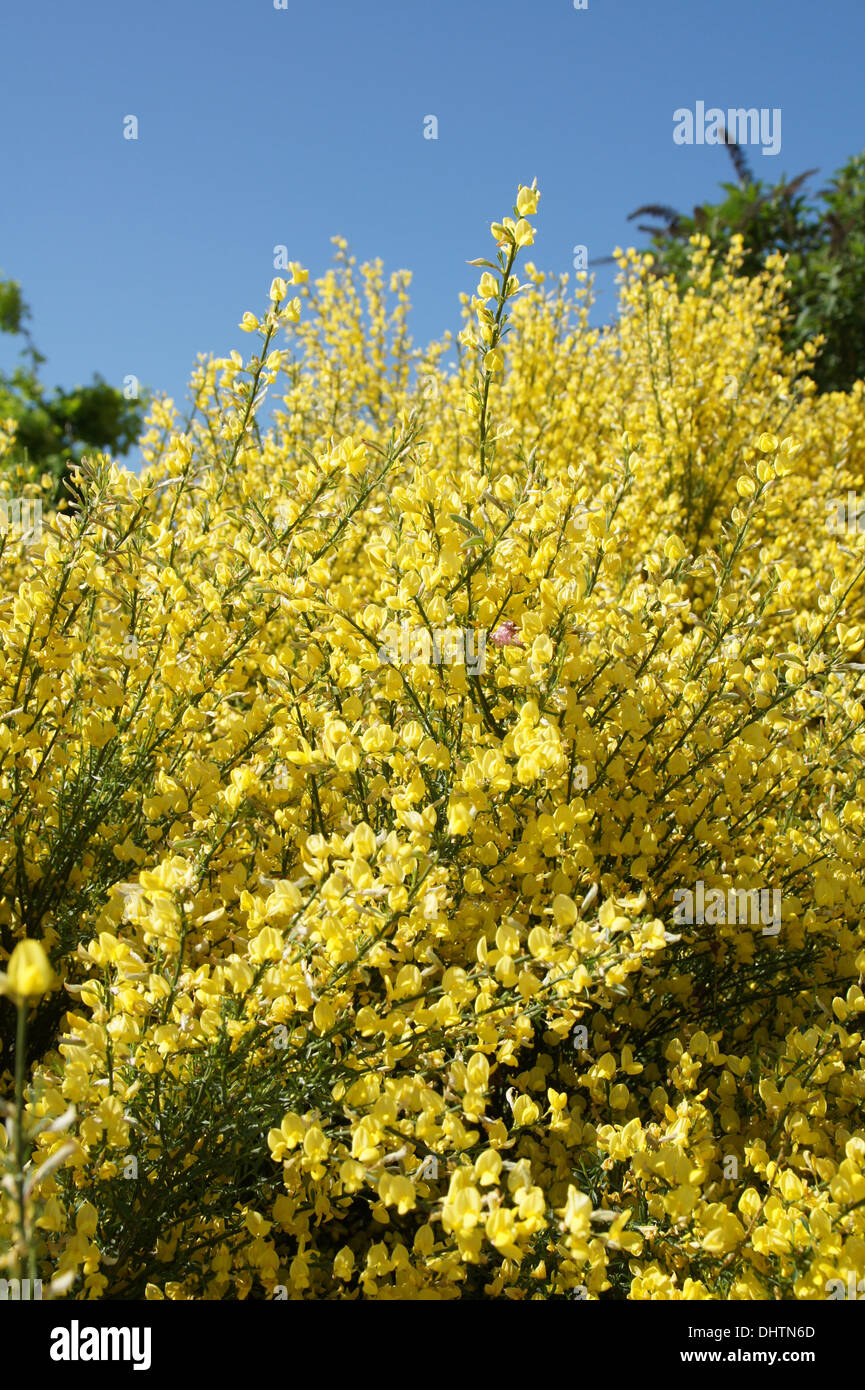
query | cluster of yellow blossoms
[368, 979]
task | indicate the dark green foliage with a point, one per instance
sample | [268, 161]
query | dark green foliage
[55, 430]
[823, 238]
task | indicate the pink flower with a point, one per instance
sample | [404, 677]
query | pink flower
[507, 635]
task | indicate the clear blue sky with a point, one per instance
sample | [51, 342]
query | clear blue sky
[260, 126]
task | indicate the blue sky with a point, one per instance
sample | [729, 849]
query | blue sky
[260, 127]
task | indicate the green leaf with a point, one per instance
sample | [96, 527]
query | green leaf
[465, 523]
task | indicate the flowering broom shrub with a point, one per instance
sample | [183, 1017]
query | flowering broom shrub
[340, 966]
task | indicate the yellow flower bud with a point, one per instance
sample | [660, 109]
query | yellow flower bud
[527, 201]
[324, 1016]
[619, 1097]
[30, 972]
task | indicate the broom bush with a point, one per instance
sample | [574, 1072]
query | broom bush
[349, 967]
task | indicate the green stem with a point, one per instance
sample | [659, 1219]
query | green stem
[20, 1047]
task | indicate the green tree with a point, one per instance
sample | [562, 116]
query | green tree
[54, 430]
[823, 238]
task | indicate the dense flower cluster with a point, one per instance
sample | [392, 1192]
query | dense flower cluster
[368, 978]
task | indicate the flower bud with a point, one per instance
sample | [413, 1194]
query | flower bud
[527, 201]
[30, 972]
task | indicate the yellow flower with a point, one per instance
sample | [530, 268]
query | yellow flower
[500, 1232]
[494, 360]
[526, 1112]
[577, 1213]
[86, 1219]
[542, 649]
[564, 910]
[290, 1133]
[723, 1230]
[524, 233]
[267, 945]
[459, 818]
[364, 840]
